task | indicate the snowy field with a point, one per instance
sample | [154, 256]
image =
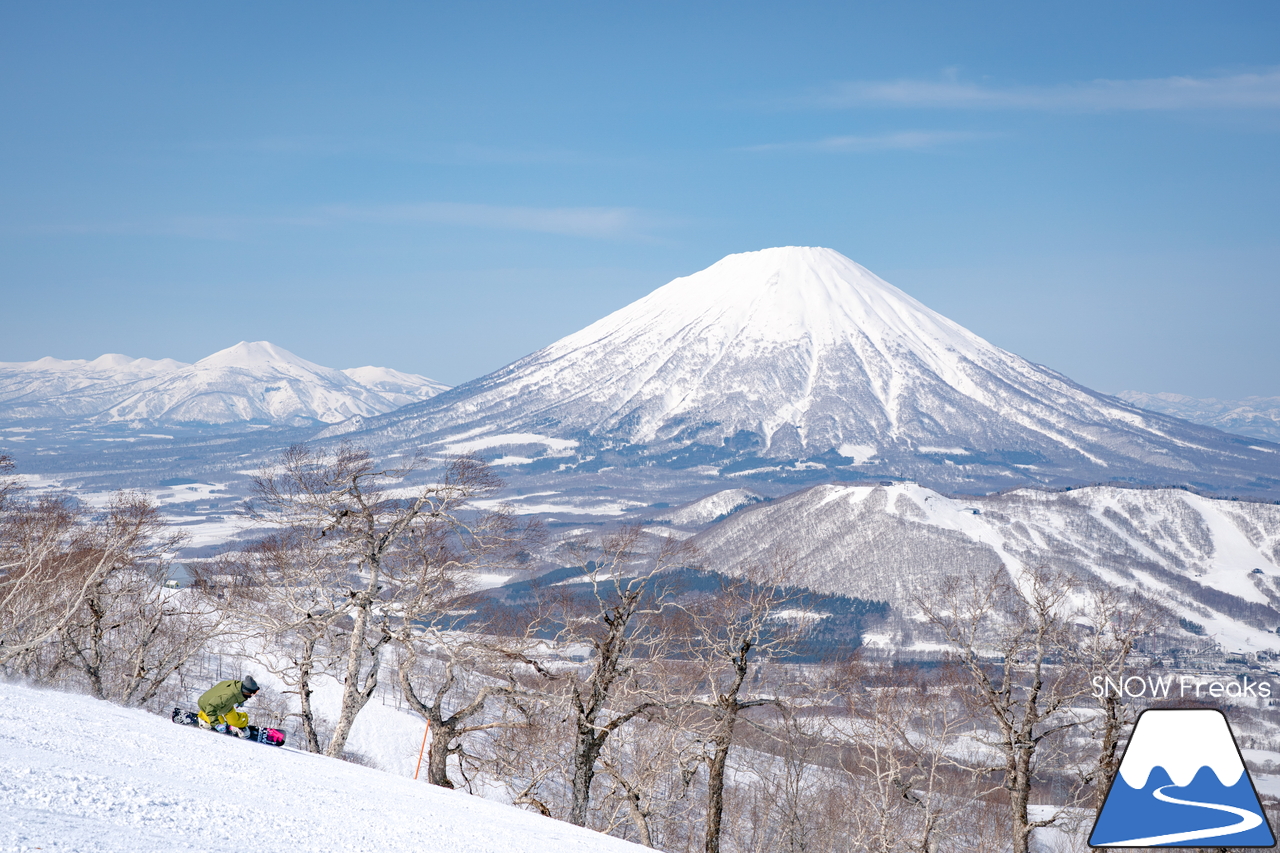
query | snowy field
[82, 776]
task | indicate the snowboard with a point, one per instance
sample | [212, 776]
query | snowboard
[271, 737]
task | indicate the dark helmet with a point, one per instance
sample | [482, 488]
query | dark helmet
[248, 685]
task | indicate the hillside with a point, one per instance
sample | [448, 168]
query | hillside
[82, 776]
[1213, 562]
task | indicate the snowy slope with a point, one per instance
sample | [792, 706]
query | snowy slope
[397, 388]
[84, 776]
[258, 382]
[1258, 417]
[57, 388]
[801, 355]
[708, 509]
[250, 382]
[1196, 554]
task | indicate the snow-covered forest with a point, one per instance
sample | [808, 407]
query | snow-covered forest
[631, 691]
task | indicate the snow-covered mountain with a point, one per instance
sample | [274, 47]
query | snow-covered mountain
[790, 359]
[398, 389]
[75, 388]
[93, 776]
[1258, 417]
[706, 510]
[1214, 562]
[249, 382]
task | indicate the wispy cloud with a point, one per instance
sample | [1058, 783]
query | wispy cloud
[1229, 92]
[618, 223]
[907, 140]
[599, 222]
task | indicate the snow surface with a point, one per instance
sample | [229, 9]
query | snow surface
[250, 381]
[473, 445]
[566, 505]
[395, 386]
[83, 776]
[708, 509]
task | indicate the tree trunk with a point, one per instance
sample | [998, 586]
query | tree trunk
[638, 816]
[1019, 799]
[438, 754]
[1108, 760]
[354, 694]
[715, 778]
[585, 753]
[442, 732]
[304, 695]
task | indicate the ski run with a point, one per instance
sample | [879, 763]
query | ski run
[78, 775]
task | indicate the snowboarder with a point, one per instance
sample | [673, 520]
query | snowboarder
[218, 706]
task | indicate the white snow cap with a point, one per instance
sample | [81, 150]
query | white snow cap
[256, 355]
[1181, 741]
[767, 329]
[786, 294]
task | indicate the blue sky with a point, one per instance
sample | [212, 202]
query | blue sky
[443, 188]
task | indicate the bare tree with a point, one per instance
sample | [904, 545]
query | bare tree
[87, 582]
[906, 792]
[620, 622]
[129, 633]
[1015, 642]
[527, 756]
[781, 809]
[1112, 623]
[737, 630]
[464, 662]
[133, 635]
[650, 767]
[290, 594]
[403, 547]
[8, 483]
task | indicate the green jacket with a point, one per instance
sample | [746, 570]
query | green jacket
[221, 699]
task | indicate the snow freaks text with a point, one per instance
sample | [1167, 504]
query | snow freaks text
[1180, 687]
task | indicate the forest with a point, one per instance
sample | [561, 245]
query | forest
[628, 689]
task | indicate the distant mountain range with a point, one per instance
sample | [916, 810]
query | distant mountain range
[1258, 417]
[769, 370]
[796, 364]
[249, 383]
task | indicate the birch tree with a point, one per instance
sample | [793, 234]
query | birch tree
[454, 702]
[738, 629]
[1113, 622]
[620, 622]
[403, 548]
[1015, 642]
[906, 791]
[290, 593]
[74, 584]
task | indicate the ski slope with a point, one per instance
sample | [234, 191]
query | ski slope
[78, 775]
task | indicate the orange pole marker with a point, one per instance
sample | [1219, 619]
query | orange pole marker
[422, 750]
